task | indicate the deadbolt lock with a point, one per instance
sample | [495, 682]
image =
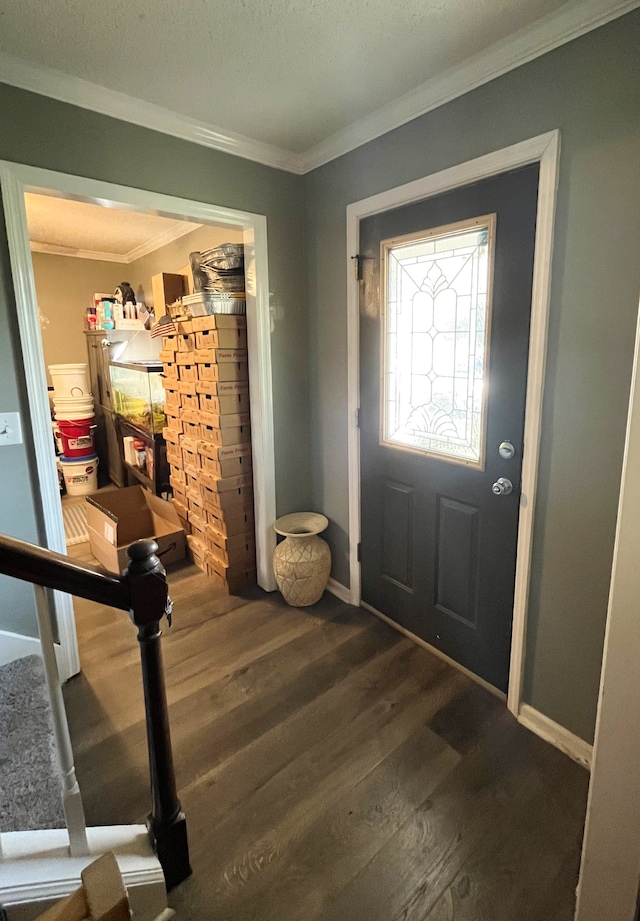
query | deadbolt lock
[506, 450]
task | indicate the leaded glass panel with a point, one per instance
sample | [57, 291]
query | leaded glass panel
[435, 343]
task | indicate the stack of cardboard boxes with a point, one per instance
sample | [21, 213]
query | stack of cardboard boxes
[209, 443]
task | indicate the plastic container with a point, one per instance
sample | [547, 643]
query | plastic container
[70, 381]
[56, 438]
[206, 303]
[77, 436]
[80, 474]
[137, 394]
[75, 409]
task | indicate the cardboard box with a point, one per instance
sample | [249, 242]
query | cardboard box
[166, 288]
[197, 517]
[179, 477]
[171, 435]
[230, 524]
[192, 416]
[174, 455]
[234, 501]
[191, 461]
[232, 466]
[170, 370]
[231, 550]
[192, 444]
[170, 344]
[223, 484]
[225, 435]
[186, 342]
[172, 396]
[191, 430]
[187, 279]
[220, 356]
[199, 533]
[182, 511]
[233, 578]
[188, 372]
[194, 499]
[226, 421]
[186, 358]
[219, 321]
[198, 549]
[179, 494]
[234, 338]
[190, 401]
[172, 411]
[119, 517]
[188, 386]
[230, 371]
[224, 405]
[166, 357]
[223, 452]
[222, 388]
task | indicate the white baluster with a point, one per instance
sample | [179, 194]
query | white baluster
[71, 797]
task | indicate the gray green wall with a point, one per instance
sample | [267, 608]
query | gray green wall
[45, 133]
[590, 90]
[17, 512]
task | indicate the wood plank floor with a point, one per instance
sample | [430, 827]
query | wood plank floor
[329, 769]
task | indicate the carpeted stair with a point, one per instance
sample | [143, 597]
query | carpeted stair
[29, 782]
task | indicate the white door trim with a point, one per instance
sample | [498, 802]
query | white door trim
[610, 870]
[545, 150]
[15, 180]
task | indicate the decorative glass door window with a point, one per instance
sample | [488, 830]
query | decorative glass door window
[436, 320]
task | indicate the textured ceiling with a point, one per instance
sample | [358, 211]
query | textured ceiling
[74, 225]
[286, 72]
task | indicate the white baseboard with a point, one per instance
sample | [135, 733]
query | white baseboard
[573, 746]
[339, 590]
[36, 870]
[15, 646]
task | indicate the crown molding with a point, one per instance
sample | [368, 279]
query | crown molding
[54, 249]
[574, 19]
[37, 78]
[162, 239]
[157, 242]
[568, 23]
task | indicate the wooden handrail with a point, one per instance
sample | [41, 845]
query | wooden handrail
[142, 591]
[54, 570]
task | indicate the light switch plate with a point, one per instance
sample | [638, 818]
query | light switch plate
[10, 429]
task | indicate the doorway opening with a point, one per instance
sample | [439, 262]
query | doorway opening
[179, 224]
[543, 151]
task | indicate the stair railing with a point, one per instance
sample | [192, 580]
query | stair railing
[142, 591]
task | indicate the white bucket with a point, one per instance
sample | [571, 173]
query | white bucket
[80, 475]
[73, 407]
[70, 380]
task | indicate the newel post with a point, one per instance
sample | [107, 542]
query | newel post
[150, 602]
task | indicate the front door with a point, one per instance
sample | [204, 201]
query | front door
[444, 340]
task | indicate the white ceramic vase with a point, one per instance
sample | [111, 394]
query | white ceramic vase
[302, 562]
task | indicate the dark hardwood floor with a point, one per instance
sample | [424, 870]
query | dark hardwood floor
[329, 769]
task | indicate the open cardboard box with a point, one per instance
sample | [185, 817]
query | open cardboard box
[119, 517]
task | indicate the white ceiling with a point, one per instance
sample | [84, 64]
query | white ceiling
[74, 228]
[292, 82]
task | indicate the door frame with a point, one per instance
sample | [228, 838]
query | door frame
[545, 150]
[15, 180]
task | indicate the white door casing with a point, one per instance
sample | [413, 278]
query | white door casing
[15, 180]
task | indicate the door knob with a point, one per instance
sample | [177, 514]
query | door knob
[502, 486]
